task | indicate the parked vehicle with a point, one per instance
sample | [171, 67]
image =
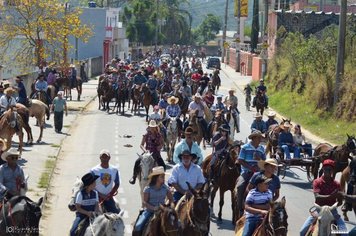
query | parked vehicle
[213, 62]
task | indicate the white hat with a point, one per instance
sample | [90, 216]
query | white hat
[10, 152]
[152, 124]
[104, 152]
[158, 170]
[271, 113]
[257, 115]
[169, 100]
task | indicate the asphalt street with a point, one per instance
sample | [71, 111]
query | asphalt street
[93, 130]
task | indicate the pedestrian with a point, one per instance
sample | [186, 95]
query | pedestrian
[83, 74]
[59, 105]
[108, 182]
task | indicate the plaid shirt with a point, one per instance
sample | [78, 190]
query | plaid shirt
[173, 110]
[153, 141]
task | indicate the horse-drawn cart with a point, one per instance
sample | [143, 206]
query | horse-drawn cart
[303, 164]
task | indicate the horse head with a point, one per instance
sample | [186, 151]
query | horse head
[278, 217]
[172, 126]
[34, 212]
[351, 144]
[325, 218]
[169, 220]
[147, 163]
[10, 117]
[75, 190]
[115, 224]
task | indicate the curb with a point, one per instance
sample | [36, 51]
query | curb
[47, 190]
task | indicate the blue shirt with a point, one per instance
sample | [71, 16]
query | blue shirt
[173, 110]
[274, 184]
[270, 122]
[182, 146]
[41, 85]
[247, 154]
[156, 196]
[163, 104]
[22, 90]
[284, 138]
[260, 125]
[152, 84]
[254, 197]
[139, 79]
[181, 175]
[262, 88]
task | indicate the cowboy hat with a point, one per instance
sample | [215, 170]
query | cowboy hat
[262, 179]
[224, 127]
[255, 133]
[158, 170]
[10, 152]
[169, 100]
[197, 95]
[185, 153]
[9, 91]
[152, 124]
[104, 152]
[271, 161]
[72, 66]
[88, 179]
[271, 113]
[257, 115]
[236, 143]
[3, 141]
[231, 90]
[286, 125]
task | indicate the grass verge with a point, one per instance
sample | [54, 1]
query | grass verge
[300, 110]
[46, 174]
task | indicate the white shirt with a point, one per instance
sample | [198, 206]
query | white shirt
[180, 175]
[5, 102]
[197, 106]
[107, 178]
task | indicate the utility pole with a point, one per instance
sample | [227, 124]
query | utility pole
[224, 32]
[238, 40]
[65, 43]
[340, 50]
[156, 33]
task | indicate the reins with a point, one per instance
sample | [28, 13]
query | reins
[10, 215]
[108, 197]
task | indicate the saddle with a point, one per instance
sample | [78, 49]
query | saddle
[83, 225]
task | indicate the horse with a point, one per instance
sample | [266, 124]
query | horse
[51, 91]
[148, 100]
[225, 169]
[11, 123]
[147, 163]
[163, 223]
[218, 121]
[172, 136]
[273, 224]
[183, 102]
[194, 213]
[260, 102]
[39, 110]
[107, 95]
[194, 124]
[272, 138]
[322, 225]
[349, 176]
[20, 213]
[121, 95]
[136, 97]
[216, 81]
[24, 112]
[233, 121]
[67, 86]
[109, 224]
[340, 154]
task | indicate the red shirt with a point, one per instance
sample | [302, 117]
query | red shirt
[323, 188]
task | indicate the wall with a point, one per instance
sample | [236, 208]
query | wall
[257, 68]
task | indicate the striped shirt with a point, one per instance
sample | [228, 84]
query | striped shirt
[250, 154]
[254, 197]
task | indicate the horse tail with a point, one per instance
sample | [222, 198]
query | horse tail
[47, 112]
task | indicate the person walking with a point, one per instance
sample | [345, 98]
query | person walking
[59, 105]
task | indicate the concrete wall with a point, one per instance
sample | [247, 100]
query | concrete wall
[256, 68]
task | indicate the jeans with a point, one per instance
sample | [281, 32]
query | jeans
[241, 186]
[177, 196]
[287, 149]
[142, 220]
[110, 206]
[353, 232]
[58, 120]
[204, 127]
[76, 222]
[250, 226]
[339, 221]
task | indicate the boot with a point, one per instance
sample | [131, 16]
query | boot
[212, 175]
[133, 179]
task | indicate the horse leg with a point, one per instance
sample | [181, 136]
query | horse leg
[212, 197]
[20, 134]
[233, 206]
[221, 204]
[147, 108]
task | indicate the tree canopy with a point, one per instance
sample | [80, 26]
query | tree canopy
[208, 29]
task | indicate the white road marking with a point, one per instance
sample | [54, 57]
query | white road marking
[128, 229]
[123, 201]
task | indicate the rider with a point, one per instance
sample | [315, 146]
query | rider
[12, 177]
[163, 104]
[271, 119]
[173, 111]
[219, 104]
[250, 154]
[198, 104]
[154, 195]
[209, 98]
[327, 191]
[204, 81]
[86, 202]
[152, 84]
[261, 89]
[248, 90]
[231, 101]
[21, 90]
[267, 169]
[152, 142]
[138, 80]
[72, 75]
[186, 91]
[220, 142]
[183, 172]
[257, 204]
[41, 86]
[286, 142]
[188, 144]
[108, 181]
[258, 123]
[299, 140]
[7, 100]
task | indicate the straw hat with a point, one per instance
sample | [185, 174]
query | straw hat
[158, 170]
[255, 133]
[10, 152]
[9, 91]
[231, 90]
[197, 95]
[271, 114]
[3, 141]
[257, 115]
[72, 66]
[152, 124]
[286, 125]
[169, 100]
[271, 161]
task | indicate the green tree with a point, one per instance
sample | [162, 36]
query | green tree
[208, 28]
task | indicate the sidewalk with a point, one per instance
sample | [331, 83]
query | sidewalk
[40, 158]
[240, 83]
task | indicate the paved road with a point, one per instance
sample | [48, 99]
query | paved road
[94, 130]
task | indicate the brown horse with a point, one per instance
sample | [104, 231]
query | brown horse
[218, 121]
[11, 123]
[147, 100]
[39, 110]
[121, 95]
[164, 222]
[51, 90]
[227, 174]
[272, 138]
[216, 81]
[194, 123]
[273, 224]
[136, 97]
[260, 102]
[183, 102]
[67, 87]
[105, 93]
[194, 213]
[340, 154]
[24, 112]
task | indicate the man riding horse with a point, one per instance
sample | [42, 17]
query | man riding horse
[7, 100]
[261, 89]
[232, 102]
[198, 105]
[41, 89]
[152, 84]
[138, 80]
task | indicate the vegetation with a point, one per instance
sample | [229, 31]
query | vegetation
[208, 29]
[32, 30]
[46, 174]
[301, 81]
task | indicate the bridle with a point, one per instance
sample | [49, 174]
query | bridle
[198, 224]
[164, 230]
[270, 227]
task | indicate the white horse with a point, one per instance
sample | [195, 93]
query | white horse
[147, 163]
[172, 135]
[107, 224]
[325, 219]
[233, 124]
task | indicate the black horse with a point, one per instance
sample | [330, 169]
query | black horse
[20, 214]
